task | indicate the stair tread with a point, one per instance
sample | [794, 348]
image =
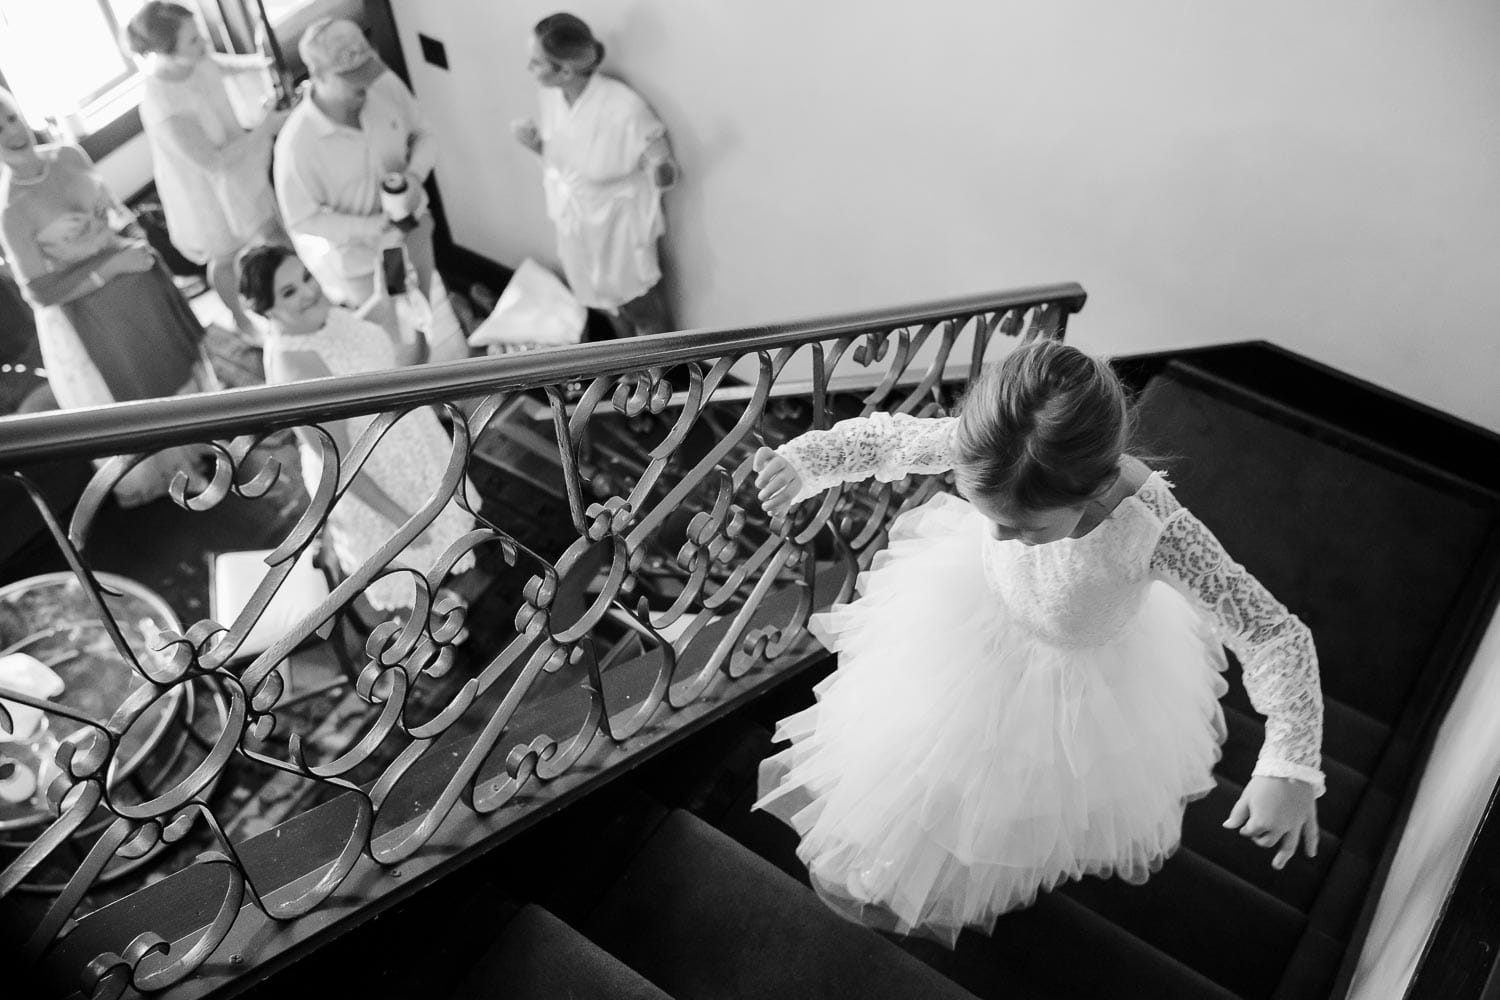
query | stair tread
[593, 844]
[1019, 951]
[704, 918]
[1203, 833]
[539, 957]
[1204, 916]
[1044, 943]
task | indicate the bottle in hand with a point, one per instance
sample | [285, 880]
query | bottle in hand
[396, 201]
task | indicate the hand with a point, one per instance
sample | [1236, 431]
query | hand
[136, 258]
[389, 236]
[776, 482]
[415, 193]
[1277, 813]
[527, 134]
[663, 173]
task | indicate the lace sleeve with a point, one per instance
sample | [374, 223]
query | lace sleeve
[884, 445]
[1274, 648]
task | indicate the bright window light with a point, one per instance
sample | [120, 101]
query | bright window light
[59, 55]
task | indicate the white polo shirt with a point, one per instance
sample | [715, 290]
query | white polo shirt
[327, 177]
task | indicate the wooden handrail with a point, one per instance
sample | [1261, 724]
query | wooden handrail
[158, 423]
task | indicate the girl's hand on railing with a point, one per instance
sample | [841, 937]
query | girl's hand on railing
[776, 482]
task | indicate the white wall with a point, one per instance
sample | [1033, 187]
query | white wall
[1320, 175]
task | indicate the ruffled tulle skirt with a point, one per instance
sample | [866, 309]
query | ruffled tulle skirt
[956, 763]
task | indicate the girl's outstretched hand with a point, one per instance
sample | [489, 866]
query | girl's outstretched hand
[1277, 813]
[776, 482]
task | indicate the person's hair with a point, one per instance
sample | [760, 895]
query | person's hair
[256, 268]
[154, 27]
[1044, 428]
[567, 41]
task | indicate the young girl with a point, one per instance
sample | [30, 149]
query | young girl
[1028, 681]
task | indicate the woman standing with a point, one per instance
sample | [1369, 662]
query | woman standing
[111, 324]
[606, 162]
[213, 176]
[309, 338]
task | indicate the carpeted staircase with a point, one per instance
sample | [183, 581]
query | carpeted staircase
[664, 884]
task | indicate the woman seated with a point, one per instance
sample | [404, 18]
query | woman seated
[213, 176]
[110, 323]
[312, 338]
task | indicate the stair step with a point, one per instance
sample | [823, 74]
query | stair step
[538, 957]
[1345, 785]
[1203, 833]
[565, 864]
[705, 919]
[1073, 952]
[707, 782]
[1025, 945]
[1225, 928]
[763, 834]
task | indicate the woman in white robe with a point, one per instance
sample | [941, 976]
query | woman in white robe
[606, 162]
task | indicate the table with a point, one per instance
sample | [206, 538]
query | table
[49, 617]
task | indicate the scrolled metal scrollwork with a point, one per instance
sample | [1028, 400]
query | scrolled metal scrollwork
[671, 576]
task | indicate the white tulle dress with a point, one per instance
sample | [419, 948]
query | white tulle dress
[1007, 717]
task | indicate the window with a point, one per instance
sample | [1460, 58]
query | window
[61, 56]
[68, 68]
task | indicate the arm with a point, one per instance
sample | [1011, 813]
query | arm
[884, 445]
[1278, 808]
[44, 287]
[380, 310]
[1275, 649]
[421, 145]
[660, 163]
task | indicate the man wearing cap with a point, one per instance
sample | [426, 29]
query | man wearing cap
[356, 124]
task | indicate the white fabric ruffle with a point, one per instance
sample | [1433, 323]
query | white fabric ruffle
[956, 764]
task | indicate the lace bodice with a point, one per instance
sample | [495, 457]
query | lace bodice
[1083, 591]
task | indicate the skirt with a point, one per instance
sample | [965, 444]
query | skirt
[957, 763]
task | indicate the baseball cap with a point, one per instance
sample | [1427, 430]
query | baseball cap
[333, 44]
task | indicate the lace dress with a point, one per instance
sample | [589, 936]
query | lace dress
[408, 463]
[1007, 717]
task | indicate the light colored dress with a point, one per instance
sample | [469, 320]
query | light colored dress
[135, 337]
[1007, 717]
[212, 210]
[599, 191]
[408, 463]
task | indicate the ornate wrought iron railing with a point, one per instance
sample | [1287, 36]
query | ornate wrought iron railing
[669, 597]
